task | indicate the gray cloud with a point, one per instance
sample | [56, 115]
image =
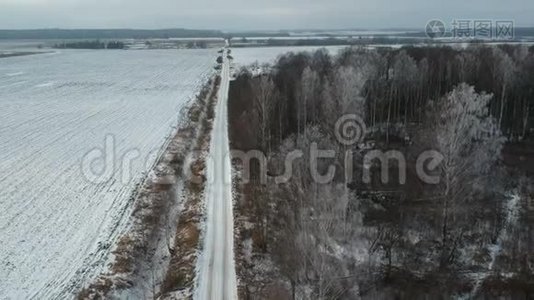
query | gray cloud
[252, 14]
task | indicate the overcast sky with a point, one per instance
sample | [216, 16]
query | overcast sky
[254, 14]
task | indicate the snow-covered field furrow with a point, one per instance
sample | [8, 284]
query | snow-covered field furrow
[57, 227]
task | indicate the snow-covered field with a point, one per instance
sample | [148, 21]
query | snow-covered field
[57, 227]
[250, 55]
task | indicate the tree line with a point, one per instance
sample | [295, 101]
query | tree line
[96, 44]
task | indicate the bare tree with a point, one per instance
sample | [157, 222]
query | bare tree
[403, 74]
[309, 88]
[505, 70]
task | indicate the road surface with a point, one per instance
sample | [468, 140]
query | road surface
[217, 279]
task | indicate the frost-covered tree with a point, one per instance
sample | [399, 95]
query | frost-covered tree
[404, 68]
[314, 219]
[349, 84]
[462, 130]
[467, 65]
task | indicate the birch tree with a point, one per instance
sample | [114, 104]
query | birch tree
[469, 140]
[264, 105]
[504, 73]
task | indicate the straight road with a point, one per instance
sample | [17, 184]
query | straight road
[217, 278]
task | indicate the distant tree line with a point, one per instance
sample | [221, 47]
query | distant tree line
[197, 45]
[309, 42]
[347, 41]
[96, 44]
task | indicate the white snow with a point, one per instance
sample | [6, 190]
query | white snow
[216, 278]
[512, 209]
[57, 228]
[15, 74]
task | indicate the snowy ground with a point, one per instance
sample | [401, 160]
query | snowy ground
[216, 276]
[57, 227]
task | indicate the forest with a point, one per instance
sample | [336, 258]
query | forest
[394, 234]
